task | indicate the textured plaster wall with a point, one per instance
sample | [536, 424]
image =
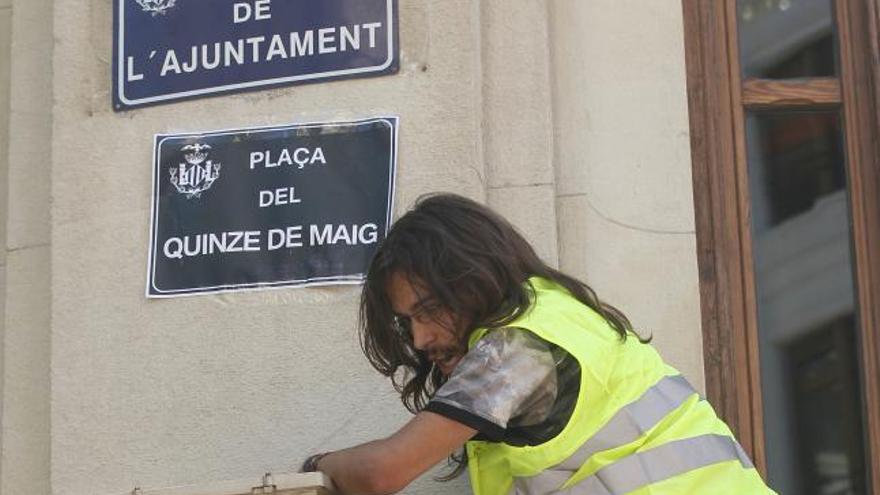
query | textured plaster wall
[623, 171]
[5, 62]
[24, 454]
[569, 117]
[5, 55]
[167, 392]
[517, 119]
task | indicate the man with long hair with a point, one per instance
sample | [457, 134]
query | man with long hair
[548, 389]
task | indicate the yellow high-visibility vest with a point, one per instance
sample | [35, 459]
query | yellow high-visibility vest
[637, 428]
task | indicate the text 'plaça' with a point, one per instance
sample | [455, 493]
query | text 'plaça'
[299, 157]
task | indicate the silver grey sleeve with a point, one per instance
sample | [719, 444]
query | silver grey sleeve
[508, 378]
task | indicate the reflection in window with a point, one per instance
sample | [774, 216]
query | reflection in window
[782, 39]
[802, 160]
[806, 309]
[824, 369]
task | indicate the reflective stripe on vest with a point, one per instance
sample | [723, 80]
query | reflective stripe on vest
[634, 420]
[642, 469]
[660, 463]
[629, 424]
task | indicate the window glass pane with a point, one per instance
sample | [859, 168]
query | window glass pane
[781, 39]
[807, 324]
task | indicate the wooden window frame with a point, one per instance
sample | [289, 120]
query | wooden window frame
[718, 99]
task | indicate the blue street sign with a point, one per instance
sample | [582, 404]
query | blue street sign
[167, 50]
[283, 206]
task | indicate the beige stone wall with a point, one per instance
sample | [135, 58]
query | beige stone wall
[569, 117]
[517, 119]
[5, 55]
[623, 171]
[173, 392]
[24, 456]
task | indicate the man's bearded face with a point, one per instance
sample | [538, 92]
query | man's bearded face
[430, 327]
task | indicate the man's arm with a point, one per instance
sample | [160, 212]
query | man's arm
[387, 466]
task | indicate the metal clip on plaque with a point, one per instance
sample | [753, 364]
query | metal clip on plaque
[268, 486]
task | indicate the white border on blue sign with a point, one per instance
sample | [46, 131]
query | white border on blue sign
[120, 71]
[354, 279]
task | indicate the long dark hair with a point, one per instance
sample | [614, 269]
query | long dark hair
[474, 264]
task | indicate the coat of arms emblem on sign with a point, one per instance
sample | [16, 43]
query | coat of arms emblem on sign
[196, 175]
[156, 6]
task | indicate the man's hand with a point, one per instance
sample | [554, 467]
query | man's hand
[389, 465]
